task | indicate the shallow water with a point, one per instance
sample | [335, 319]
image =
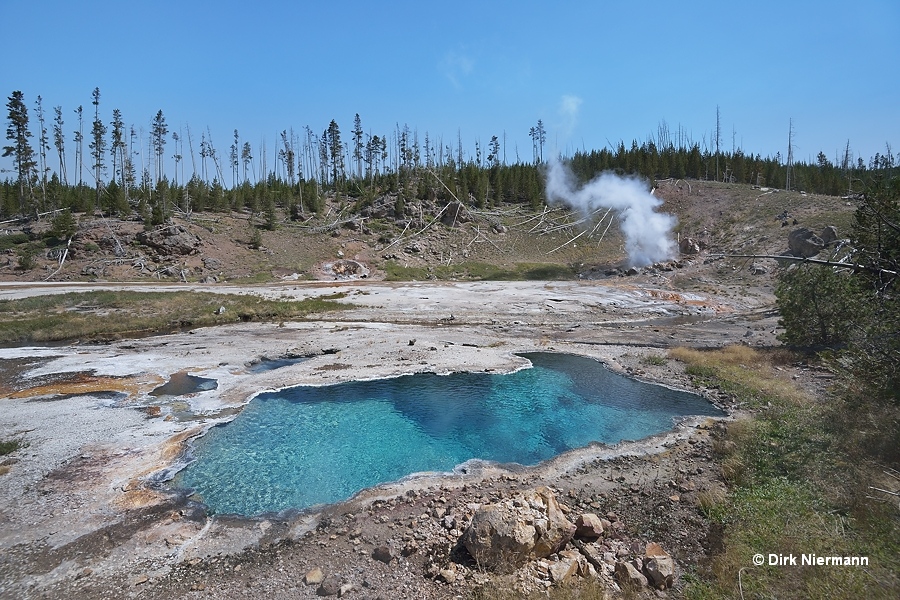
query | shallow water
[182, 384]
[311, 445]
[270, 364]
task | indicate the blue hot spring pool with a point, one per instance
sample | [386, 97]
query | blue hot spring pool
[308, 445]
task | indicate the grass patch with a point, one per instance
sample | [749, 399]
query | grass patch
[743, 371]
[104, 314]
[10, 446]
[654, 360]
[793, 490]
[477, 271]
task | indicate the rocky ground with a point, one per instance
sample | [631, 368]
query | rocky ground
[85, 514]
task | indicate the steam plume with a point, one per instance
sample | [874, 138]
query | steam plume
[648, 234]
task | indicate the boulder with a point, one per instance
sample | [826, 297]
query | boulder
[504, 535]
[315, 576]
[629, 577]
[382, 208]
[562, 569]
[829, 234]
[447, 575]
[454, 214]
[804, 243]
[331, 586]
[171, 239]
[383, 554]
[213, 264]
[689, 246]
[659, 567]
[660, 572]
[756, 269]
[588, 527]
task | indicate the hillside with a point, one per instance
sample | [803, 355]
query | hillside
[431, 241]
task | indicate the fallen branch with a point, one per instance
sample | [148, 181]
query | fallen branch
[421, 231]
[596, 227]
[608, 225]
[62, 260]
[397, 241]
[569, 242]
[815, 261]
[326, 228]
[547, 209]
[487, 239]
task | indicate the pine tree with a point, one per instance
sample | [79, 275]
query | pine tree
[79, 144]
[98, 145]
[541, 135]
[358, 144]
[117, 148]
[43, 148]
[335, 151]
[287, 155]
[59, 140]
[158, 139]
[234, 158]
[179, 144]
[22, 152]
[246, 158]
[493, 157]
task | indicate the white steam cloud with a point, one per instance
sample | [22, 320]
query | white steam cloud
[568, 112]
[648, 234]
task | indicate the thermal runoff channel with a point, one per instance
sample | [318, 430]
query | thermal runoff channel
[648, 234]
[308, 445]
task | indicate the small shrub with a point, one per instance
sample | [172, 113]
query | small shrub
[256, 238]
[654, 360]
[711, 502]
[63, 226]
[26, 259]
[733, 469]
[10, 446]
[11, 240]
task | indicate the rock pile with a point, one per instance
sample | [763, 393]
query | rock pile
[805, 243]
[531, 532]
[346, 269]
[171, 239]
[511, 532]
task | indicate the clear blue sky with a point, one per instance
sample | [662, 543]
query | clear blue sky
[594, 72]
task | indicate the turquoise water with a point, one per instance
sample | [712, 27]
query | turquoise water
[306, 445]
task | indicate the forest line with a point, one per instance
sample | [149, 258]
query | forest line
[128, 172]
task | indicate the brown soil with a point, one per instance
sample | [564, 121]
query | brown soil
[726, 218]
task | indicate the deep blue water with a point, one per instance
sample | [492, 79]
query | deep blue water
[311, 445]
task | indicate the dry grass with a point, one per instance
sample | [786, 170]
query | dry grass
[712, 500]
[790, 490]
[745, 371]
